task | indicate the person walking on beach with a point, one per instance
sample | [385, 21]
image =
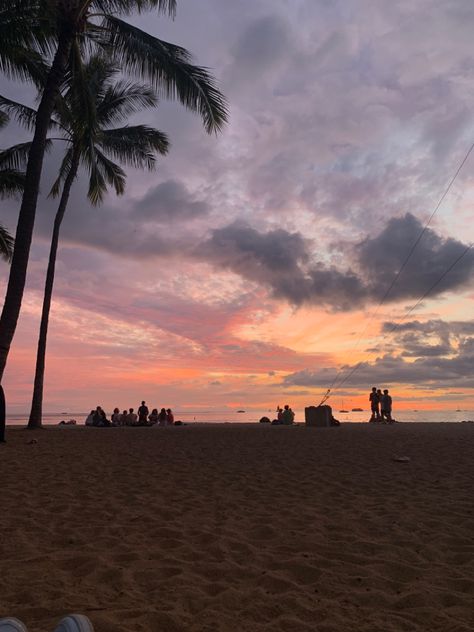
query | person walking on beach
[386, 407]
[143, 414]
[374, 400]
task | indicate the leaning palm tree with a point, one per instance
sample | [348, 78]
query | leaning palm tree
[11, 183]
[85, 115]
[64, 30]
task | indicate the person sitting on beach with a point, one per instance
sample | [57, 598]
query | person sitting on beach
[162, 417]
[374, 400]
[288, 416]
[100, 418]
[131, 418]
[143, 414]
[90, 418]
[116, 418]
[153, 417]
[169, 417]
[386, 407]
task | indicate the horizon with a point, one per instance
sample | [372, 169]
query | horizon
[247, 269]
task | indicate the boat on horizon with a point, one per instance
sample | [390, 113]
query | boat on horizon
[343, 410]
[241, 411]
[357, 410]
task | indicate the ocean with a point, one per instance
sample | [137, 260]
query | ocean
[253, 416]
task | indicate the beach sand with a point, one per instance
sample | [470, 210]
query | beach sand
[240, 528]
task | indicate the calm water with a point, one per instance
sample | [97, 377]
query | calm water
[254, 415]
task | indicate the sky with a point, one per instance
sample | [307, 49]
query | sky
[261, 265]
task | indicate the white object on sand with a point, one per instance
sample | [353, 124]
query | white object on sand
[75, 623]
[10, 624]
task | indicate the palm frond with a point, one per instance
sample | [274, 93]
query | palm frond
[103, 172]
[4, 118]
[23, 114]
[122, 99]
[27, 33]
[64, 169]
[12, 182]
[135, 145]
[126, 7]
[168, 66]
[16, 157]
[7, 244]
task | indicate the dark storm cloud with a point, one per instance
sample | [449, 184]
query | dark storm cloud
[169, 202]
[280, 261]
[381, 257]
[285, 263]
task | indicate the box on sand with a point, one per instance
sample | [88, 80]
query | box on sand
[319, 416]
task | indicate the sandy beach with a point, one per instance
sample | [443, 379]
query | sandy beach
[240, 528]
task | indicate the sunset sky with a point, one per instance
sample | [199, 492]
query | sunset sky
[247, 269]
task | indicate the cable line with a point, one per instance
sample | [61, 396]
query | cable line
[412, 309]
[404, 264]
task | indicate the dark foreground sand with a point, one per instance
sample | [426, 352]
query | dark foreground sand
[239, 528]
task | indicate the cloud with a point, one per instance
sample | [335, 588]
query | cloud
[381, 257]
[260, 45]
[436, 373]
[286, 263]
[169, 202]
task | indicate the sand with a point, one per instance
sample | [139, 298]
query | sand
[240, 528]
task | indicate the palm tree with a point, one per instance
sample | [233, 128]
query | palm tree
[63, 30]
[11, 183]
[84, 114]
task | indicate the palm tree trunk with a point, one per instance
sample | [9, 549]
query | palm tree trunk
[36, 413]
[26, 218]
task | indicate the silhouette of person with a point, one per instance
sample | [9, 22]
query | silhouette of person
[374, 404]
[386, 406]
[143, 413]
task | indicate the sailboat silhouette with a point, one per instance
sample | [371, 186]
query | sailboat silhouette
[342, 410]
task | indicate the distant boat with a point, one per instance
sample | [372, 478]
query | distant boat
[343, 410]
[241, 411]
[357, 410]
[458, 410]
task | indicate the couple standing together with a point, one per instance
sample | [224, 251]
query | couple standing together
[380, 405]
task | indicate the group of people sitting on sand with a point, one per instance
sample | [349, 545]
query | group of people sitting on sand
[129, 417]
[380, 406]
[285, 417]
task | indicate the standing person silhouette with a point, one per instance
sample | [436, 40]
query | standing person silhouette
[374, 400]
[143, 414]
[386, 407]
